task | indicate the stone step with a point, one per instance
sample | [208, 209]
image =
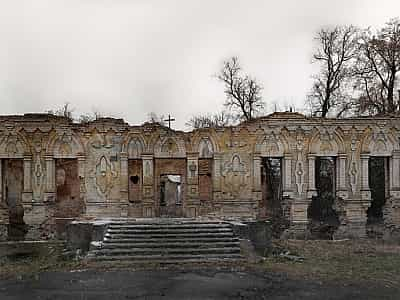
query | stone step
[172, 239]
[167, 226]
[157, 244]
[167, 235]
[171, 259]
[167, 230]
[168, 222]
[166, 251]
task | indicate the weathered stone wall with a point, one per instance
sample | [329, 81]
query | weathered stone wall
[104, 148]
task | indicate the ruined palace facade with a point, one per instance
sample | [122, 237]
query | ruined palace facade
[54, 171]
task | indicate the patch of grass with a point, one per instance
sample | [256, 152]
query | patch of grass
[28, 265]
[362, 260]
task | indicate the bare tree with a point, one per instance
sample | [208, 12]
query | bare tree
[336, 53]
[243, 93]
[153, 118]
[64, 111]
[216, 120]
[377, 69]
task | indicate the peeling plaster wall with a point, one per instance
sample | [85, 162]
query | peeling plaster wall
[103, 148]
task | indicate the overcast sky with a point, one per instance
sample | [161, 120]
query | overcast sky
[127, 58]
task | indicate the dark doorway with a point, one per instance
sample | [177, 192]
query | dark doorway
[271, 185]
[378, 168]
[13, 184]
[170, 179]
[170, 195]
[324, 219]
[272, 192]
[205, 179]
[69, 204]
[135, 167]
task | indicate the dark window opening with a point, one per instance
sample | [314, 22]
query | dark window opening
[162, 193]
[321, 212]
[135, 179]
[378, 168]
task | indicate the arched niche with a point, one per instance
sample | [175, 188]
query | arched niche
[134, 146]
[378, 142]
[205, 142]
[65, 145]
[206, 148]
[271, 144]
[170, 146]
[14, 145]
[326, 142]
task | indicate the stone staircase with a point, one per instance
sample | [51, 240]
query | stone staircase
[167, 241]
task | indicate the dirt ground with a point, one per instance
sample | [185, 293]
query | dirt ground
[293, 270]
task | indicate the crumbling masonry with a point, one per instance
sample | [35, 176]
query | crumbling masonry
[54, 171]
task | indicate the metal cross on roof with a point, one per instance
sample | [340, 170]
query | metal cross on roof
[169, 120]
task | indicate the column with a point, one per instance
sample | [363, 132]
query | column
[365, 191]
[395, 174]
[81, 174]
[257, 172]
[1, 180]
[192, 175]
[148, 175]
[364, 172]
[217, 172]
[27, 174]
[341, 176]
[27, 197]
[287, 172]
[124, 177]
[311, 176]
[50, 174]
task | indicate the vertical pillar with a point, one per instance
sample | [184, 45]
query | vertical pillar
[311, 176]
[364, 172]
[50, 175]
[148, 185]
[257, 172]
[341, 176]
[192, 175]
[287, 172]
[124, 177]
[27, 174]
[217, 172]
[27, 197]
[395, 174]
[365, 191]
[81, 174]
[1, 180]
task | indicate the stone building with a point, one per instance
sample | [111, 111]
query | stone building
[284, 166]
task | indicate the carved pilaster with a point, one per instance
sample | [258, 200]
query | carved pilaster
[81, 174]
[148, 175]
[395, 174]
[365, 191]
[50, 175]
[311, 176]
[27, 192]
[217, 172]
[193, 175]
[124, 177]
[341, 176]
[287, 174]
[256, 172]
[1, 181]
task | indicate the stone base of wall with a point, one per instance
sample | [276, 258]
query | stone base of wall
[350, 230]
[3, 232]
[298, 231]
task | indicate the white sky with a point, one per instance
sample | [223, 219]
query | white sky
[127, 58]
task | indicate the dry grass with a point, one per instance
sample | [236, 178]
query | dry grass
[347, 261]
[29, 265]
